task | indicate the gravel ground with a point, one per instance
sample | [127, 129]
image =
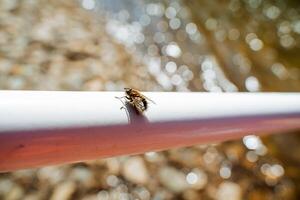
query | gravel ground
[57, 45]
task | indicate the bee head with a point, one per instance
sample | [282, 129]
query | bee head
[128, 90]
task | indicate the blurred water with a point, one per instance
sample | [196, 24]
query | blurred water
[212, 50]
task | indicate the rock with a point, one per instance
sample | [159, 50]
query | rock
[15, 194]
[64, 191]
[103, 195]
[7, 5]
[83, 176]
[113, 165]
[24, 176]
[186, 156]
[91, 197]
[53, 174]
[173, 179]
[5, 186]
[191, 194]
[142, 193]
[33, 196]
[229, 190]
[154, 157]
[197, 179]
[134, 170]
[112, 180]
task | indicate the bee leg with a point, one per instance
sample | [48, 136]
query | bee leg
[124, 107]
[123, 97]
[126, 98]
[127, 114]
[129, 99]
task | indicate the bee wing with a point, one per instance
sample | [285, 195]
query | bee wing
[149, 99]
[141, 106]
[137, 93]
[138, 104]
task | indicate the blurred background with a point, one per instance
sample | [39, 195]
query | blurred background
[198, 45]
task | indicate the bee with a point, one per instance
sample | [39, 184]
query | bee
[137, 100]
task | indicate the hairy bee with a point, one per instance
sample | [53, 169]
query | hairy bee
[137, 100]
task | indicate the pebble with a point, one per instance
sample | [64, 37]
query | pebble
[173, 179]
[134, 169]
[197, 179]
[229, 190]
[7, 5]
[82, 175]
[15, 194]
[5, 186]
[52, 174]
[33, 55]
[187, 156]
[91, 197]
[64, 191]
[142, 193]
[191, 194]
[33, 196]
[113, 165]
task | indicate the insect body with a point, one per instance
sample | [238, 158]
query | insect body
[137, 100]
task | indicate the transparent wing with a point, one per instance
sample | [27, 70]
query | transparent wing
[149, 99]
[139, 104]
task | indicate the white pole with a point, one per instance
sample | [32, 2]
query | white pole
[43, 128]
